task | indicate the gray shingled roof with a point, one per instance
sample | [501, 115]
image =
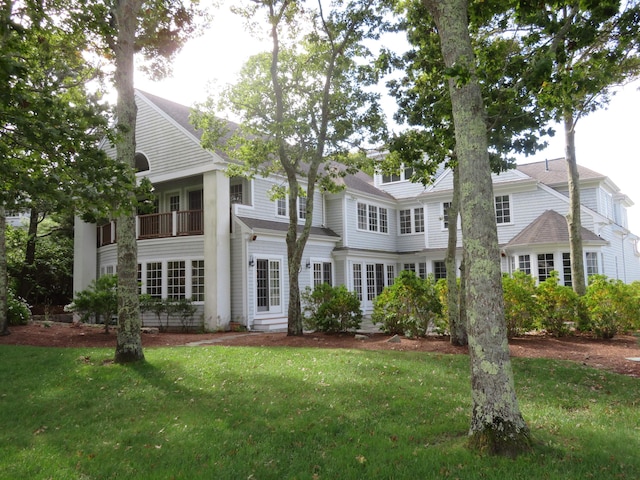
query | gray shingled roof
[549, 228]
[554, 172]
[256, 223]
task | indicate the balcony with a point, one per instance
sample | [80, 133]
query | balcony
[157, 225]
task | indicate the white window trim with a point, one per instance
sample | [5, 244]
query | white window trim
[378, 223]
[412, 218]
[510, 222]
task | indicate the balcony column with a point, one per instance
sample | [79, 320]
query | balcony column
[84, 254]
[217, 250]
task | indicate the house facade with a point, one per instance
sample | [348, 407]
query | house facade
[220, 241]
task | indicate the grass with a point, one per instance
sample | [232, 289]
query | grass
[260, 413]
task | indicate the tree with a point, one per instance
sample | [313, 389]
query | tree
[49, 124]
[157, 29]
[497, 425]
[582, 51]
[304, 107]
[513, 124]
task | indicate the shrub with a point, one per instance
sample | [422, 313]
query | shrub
[331, 309]
[409, 306]
[18, 312]
[157, 306]
[99, 300]
[520, 303]
[558, 305]
[183, 309]
[611, 305]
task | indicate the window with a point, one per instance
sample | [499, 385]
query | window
[406, 216]
[267, 285]
[384, 224]
[439, 269]
[362, 216]
[405, 221]
[197, 280]
[139, 279]
[418, 215]
[357, 280]
[422, 270]
[375, 280]
[445, 214]
[141, 162]
[235, 193]
[154, 279]
[566, 268]
[176, 280]
[405, 174]
[410, 267]
[391, 274]
[545, 266]
[592, 263]
[503, 212]
[302, 207]
[372, 218]
[281, 207]
[174, 203]
[322, 273]
[524, 264]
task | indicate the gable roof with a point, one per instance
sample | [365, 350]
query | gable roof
[550, 228]
[554, 172]
[177, 112]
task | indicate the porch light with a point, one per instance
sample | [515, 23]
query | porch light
[308, 264]
[251, 261]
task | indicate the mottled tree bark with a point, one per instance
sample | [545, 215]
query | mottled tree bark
[129, 340]
[573, 217]
[497, 426]
[4, 284]
[457, 321]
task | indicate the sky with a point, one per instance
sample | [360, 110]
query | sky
[607, 141]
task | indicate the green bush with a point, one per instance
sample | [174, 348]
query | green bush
[520, 304]
[98, 301]
[18, 312]
[611, 305]
[558, 305]
[331, 309]
[182, 309]
[408, 307]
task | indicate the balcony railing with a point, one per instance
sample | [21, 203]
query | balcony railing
[158, 225]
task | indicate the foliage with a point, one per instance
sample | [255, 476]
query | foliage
[558, 306]
[183, 309]
[99, 301]
[50, 277]
[441, 321]
[409, 306]
[612, 306]
[520, 302]
[18, 312]
[331, 309]
[349, 414]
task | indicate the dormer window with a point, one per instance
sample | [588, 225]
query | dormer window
[405, 175]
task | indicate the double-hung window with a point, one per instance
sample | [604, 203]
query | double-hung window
[503, 210]
[545, 266]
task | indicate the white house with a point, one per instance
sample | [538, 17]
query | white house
[221, 241]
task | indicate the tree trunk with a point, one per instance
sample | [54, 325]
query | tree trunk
[26, 280]
[457, 322]
[573, 217]
[129, 340]
[497, 426]
[4, 284]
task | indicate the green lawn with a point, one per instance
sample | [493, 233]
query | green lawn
[260, 413]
